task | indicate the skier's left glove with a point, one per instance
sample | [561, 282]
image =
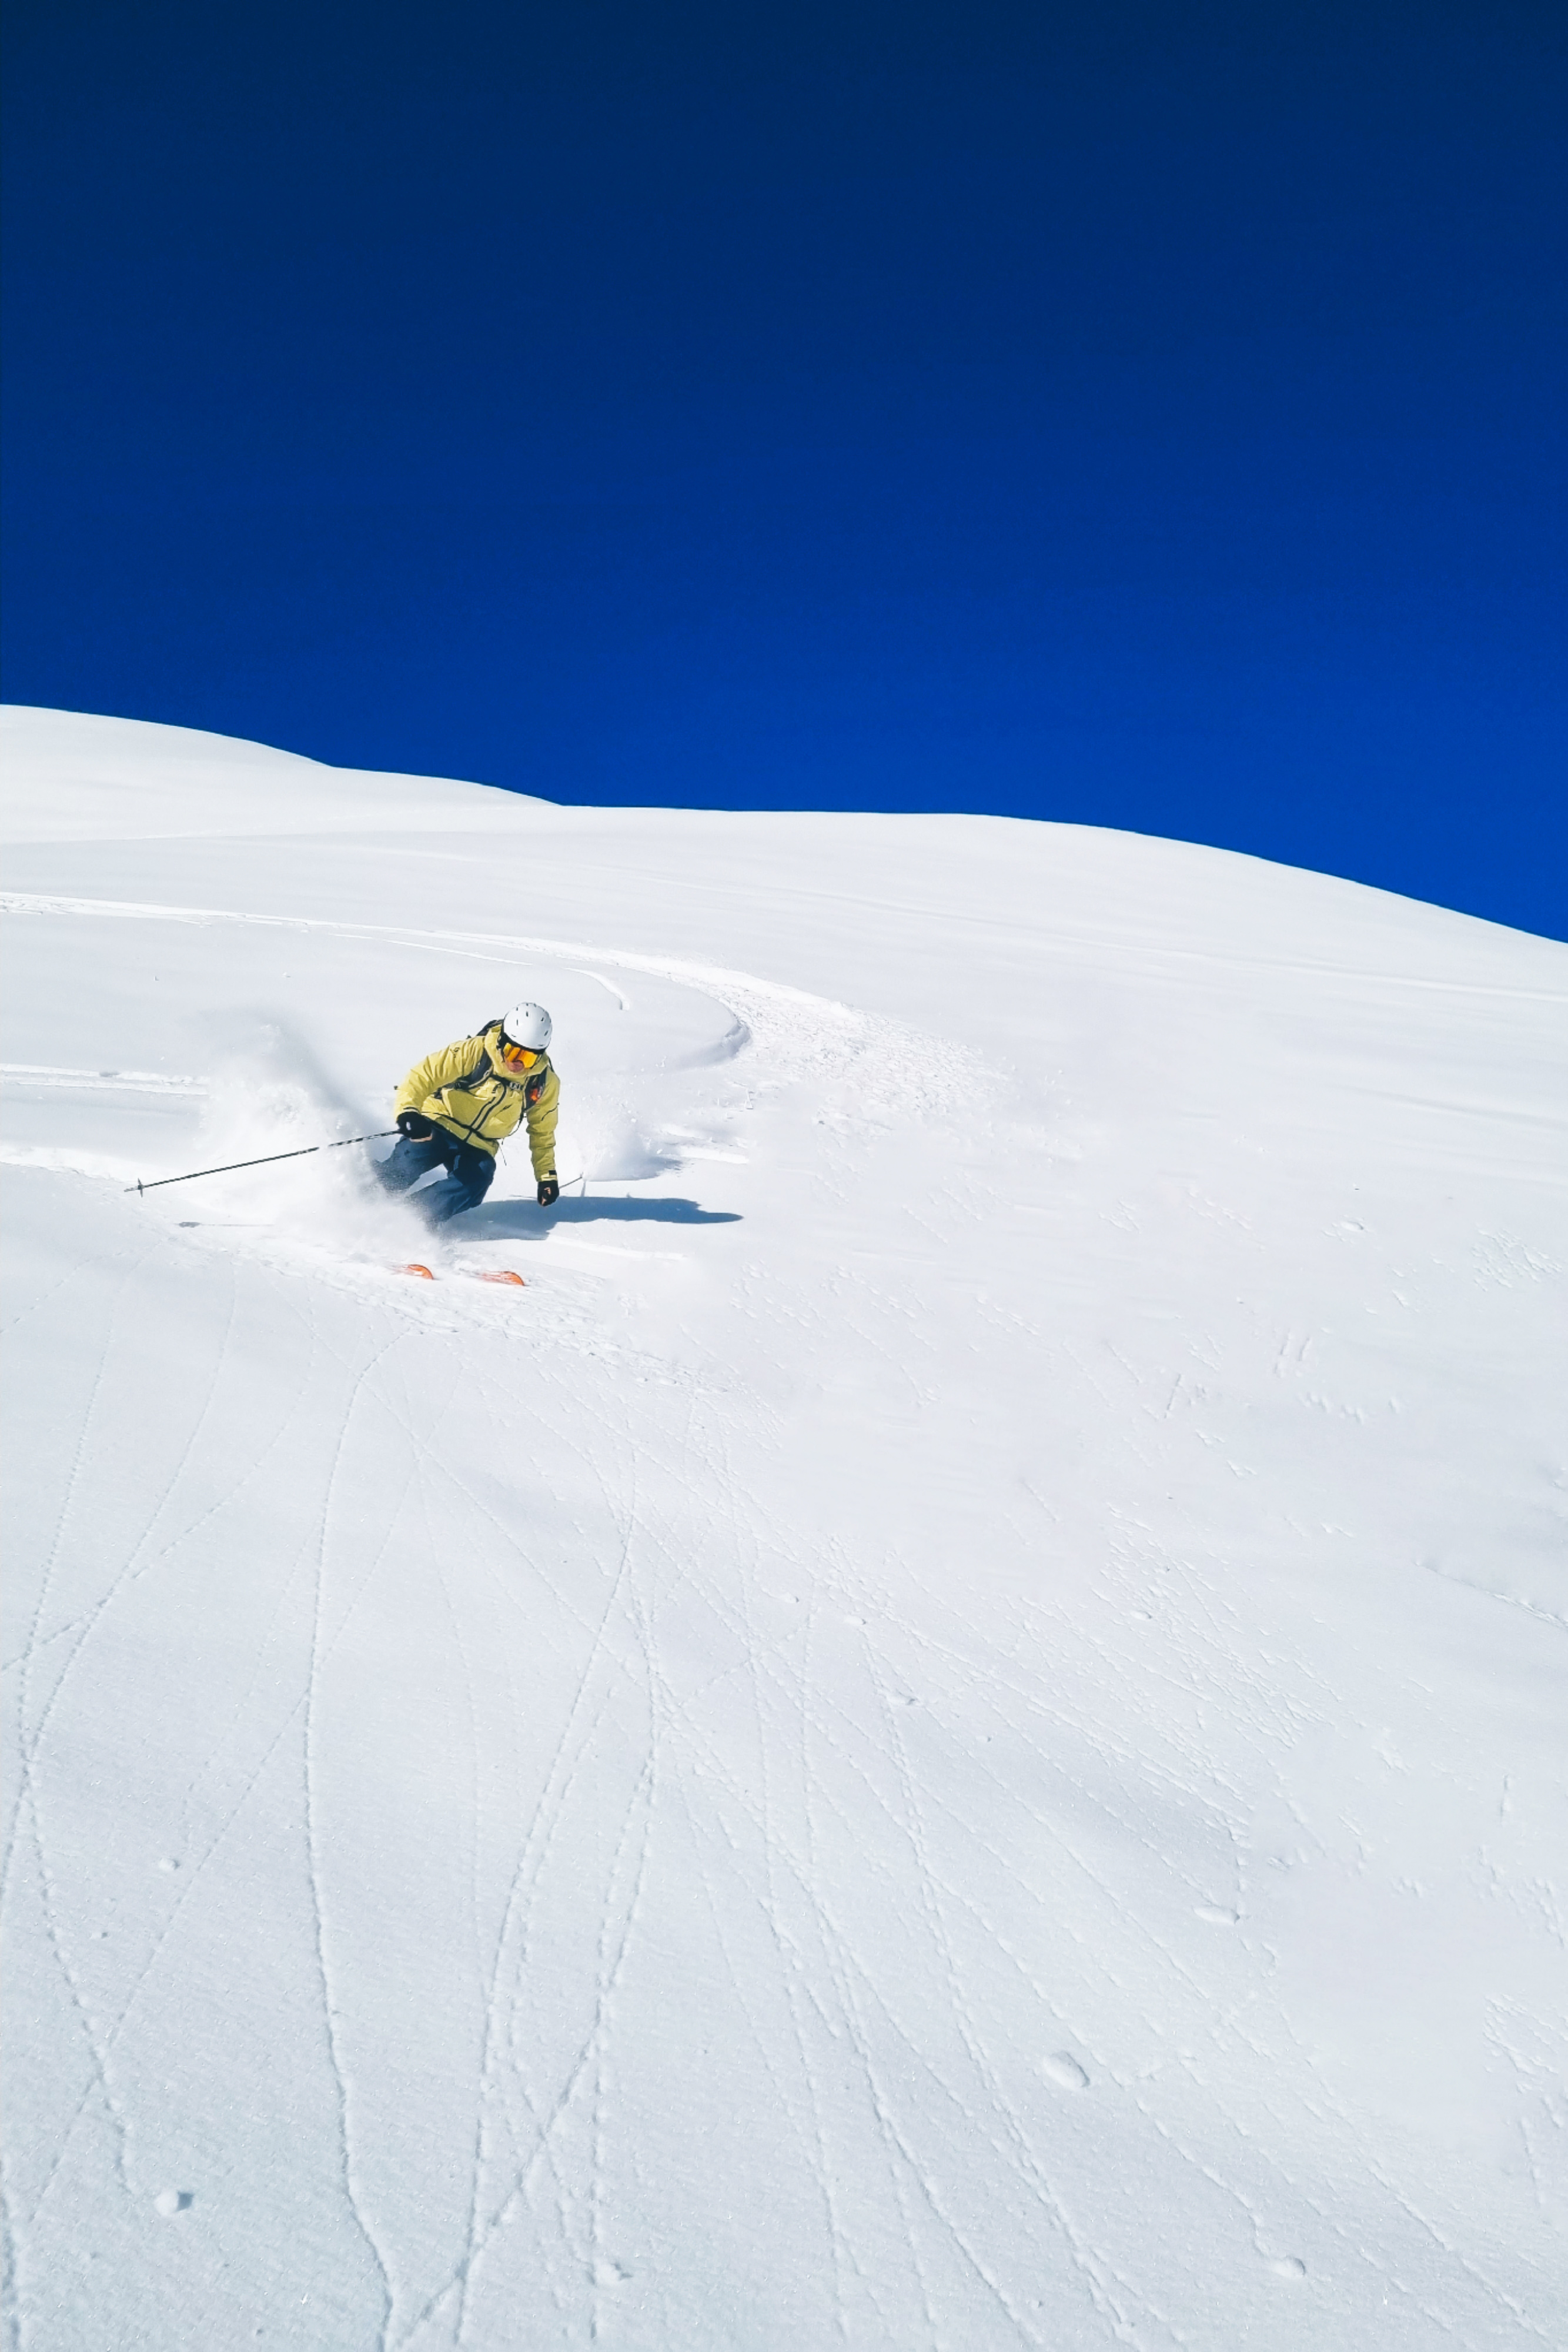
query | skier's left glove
[550, 1193]
[416, 1126]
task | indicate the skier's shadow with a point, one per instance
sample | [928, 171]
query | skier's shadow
[522, 1221]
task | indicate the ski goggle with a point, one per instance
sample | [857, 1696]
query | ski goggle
[518, 1057]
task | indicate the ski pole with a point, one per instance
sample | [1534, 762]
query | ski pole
[380, 1136]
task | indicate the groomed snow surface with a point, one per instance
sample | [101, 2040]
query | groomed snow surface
[950, 1731]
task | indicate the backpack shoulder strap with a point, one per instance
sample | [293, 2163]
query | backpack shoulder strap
[483, 1067]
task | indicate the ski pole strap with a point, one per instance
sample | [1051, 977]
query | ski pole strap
[229, 1166]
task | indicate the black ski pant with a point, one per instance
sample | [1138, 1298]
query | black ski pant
[469, 1173]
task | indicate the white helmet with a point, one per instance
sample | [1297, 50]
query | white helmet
[528, 1025]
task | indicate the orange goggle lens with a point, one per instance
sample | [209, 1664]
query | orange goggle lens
[518, 1057]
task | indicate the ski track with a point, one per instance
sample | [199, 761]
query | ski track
[149, 1082]
[795, 1028]
[559, 1556]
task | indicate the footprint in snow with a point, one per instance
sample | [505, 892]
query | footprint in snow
[1062, 2069]
[1288, 2266]
[1216, 1915]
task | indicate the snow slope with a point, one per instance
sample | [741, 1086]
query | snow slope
[950, 1731]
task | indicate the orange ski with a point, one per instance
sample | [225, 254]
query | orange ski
[475, 1274]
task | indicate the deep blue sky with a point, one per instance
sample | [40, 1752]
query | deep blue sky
[1151, 416]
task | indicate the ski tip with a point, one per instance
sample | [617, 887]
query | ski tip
[423, 1271]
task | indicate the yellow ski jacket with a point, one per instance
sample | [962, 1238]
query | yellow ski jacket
[468, 1089]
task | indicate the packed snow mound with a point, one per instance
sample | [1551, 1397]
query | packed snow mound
[947, 1730]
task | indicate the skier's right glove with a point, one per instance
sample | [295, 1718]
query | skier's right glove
[550, 1193]
[416, 1126]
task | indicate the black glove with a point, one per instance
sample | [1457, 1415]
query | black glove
[550, 1191]
[416, 1126]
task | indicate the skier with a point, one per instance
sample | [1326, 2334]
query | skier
[457, 1106]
